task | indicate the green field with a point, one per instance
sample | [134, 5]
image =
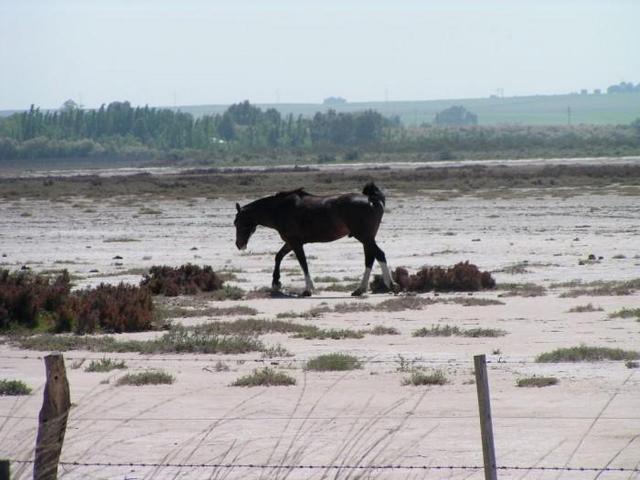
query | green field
[603, 109]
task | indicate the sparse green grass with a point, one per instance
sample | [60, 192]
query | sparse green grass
[342, 287]
[626, 313]
[105, 365]
[536, 381]
[600, 288]
[251, 326]
[448, 331]
[311, 313]
[585, 308]
[474, 301]
[176, 340]
[120, 240]
[521, 290]
[315, 333]
[149, 211]
[167, 312]
[333, 362]
[267, 377]
[276, 351]
[420, 377]
[228, 292]
[584, 353]
[382, 330]
[150, 377]
[14, 388]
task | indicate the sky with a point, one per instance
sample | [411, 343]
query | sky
[193, 52]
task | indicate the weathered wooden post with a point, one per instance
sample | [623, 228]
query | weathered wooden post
[53, 419]
[486, 428]
[5, 470]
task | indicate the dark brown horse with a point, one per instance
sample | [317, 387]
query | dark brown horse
[300, 218]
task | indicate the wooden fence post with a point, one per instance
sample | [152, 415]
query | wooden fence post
[5, 470]
[53, 419]
[486, 428]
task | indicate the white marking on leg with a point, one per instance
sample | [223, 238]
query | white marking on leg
[365, 280]
[308, 283]
[386, 276]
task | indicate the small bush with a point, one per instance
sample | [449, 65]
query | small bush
[276, 351]
[14, 387]
[114, 309]
[537, 381]
[151, 377]
[462, 277]
[448, 331]
[382, 330]
[47, 304]
[105, 365]
[311, 333]
[184, 280]
[585, 308]
[333, 362]
[584, 353]
[419, 377]
[626, 313]
[267, 377]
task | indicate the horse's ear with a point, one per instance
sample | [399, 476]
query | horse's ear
[238, 207]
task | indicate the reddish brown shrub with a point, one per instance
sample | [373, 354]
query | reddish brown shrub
[187, 279]
[26, 297]
[115, 309]
[462, 277]
[36, 301]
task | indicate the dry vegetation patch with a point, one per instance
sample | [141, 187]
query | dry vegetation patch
[267, 377]
[449, 331]
[584, 353]
[419, 377]
[14, 388]
[462, 277]
[536, 381]
[333, 362]
[521, 290]
[585, 308]
[151, 377]
[599, 288]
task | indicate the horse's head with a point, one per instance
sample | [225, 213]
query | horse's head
[245, 226]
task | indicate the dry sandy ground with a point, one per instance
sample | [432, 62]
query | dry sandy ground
[362, 417]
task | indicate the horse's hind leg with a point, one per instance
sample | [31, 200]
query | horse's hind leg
[299, 251]
[382, 260]
[275, 283]
[369, 256]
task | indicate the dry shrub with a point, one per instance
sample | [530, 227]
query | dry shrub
[115, 309]
[25, 298]
[187, 279]
[36, 301]
[462, 277]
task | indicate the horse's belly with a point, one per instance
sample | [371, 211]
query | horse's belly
[334, 232]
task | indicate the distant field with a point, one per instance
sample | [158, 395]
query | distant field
[535, 110]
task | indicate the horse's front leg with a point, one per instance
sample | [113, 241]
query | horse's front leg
[275, 283]
[299, 251]
[369, 256]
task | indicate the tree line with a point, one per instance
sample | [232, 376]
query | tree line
[120, 128]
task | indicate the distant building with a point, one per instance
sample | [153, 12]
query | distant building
[597, 91]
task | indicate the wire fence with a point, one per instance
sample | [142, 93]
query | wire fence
[334, 467]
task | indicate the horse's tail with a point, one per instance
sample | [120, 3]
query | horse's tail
[374, 193]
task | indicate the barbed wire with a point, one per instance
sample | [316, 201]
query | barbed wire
[334, 467]
[399, 359]
[333, 417]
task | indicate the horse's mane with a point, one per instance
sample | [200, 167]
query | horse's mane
[301, 192]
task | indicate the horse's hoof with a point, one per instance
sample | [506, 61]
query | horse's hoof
[357, 292]
[395, 288]
[306, 293]
[276, 286]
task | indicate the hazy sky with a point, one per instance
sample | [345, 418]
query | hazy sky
[184, 52]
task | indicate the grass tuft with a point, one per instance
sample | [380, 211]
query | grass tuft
[312, 333]
[585, 308]
[105, 365]
[267, 377]
[151, 377]
[584, 353]
[419, 377]
[536, 381]
[382, 330]
[14, 388]
[626, 313]
[333, 362]
[449, 331]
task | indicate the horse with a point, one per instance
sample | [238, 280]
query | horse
[300, 218]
